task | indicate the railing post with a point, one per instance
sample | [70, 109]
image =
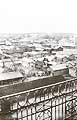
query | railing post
[5, 108]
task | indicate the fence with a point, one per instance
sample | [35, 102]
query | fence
[52, 102]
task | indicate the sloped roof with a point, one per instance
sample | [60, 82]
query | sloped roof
[10, 75]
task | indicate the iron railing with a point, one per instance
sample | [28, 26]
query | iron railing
[52, 102]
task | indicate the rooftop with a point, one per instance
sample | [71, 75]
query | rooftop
[59, 67]
[10, 75]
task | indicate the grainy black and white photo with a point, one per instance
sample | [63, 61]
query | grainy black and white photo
[38, 60]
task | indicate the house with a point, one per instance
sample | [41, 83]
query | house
[56, 49]
[3, 42]
[59, 69]
[72, 57]
[57, 59]
[66, 43]
[10, 77]
[59, 49]
[39, 64]
[65, 59]
[73, 71]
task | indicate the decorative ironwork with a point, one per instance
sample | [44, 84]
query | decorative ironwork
[52, 102]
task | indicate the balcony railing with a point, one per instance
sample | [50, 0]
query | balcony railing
[52, 102]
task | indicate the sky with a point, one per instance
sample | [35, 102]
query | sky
[25, 16]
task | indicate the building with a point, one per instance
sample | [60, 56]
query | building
[10, 77]
[60, 69]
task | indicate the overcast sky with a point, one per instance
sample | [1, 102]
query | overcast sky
[17, 16]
